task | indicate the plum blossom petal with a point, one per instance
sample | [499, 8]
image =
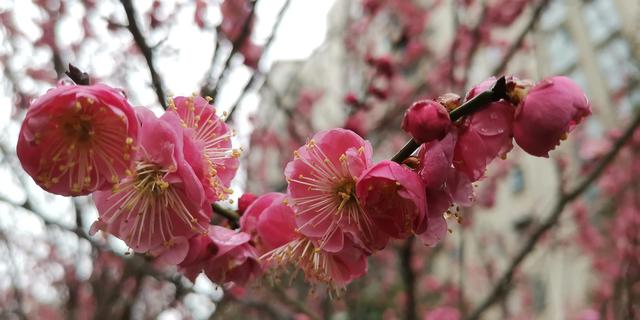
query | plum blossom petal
[207, 142]
[484, 135]
[224, 255]
[394, 197]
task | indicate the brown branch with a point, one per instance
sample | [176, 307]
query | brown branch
[145, 49]
[537, 13]
[232, 216]
[409, 279]
[266, 47]
[495, 93]
[503, 285]
[211, 89]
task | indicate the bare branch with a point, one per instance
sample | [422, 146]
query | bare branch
[409, 279]
[537, 13]
[266, 47]
[211, 89]
[145, 49]
[503, 285]
[232, 216]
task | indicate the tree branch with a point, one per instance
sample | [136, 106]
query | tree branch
[409, 279]
[232, 216]
[266, 47]
[502, 287]
[211, 89]
[145, 49]
[537, 12]
[497, 92]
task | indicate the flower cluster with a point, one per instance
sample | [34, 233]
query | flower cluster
[153, 179]
[340, 207]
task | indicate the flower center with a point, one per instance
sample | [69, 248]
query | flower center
[149, 178]
[345, 193]
[79, 130]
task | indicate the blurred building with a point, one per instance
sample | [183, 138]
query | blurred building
[594, 42]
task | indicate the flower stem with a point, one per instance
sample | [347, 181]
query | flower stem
[497, 92]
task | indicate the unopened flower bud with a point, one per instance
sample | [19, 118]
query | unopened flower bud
[550, 110]
[426, 120]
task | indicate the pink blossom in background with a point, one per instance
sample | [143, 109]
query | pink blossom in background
[234, 16]
[356, 123]
[162, 200]
[225, 256]
[211, 138]
[252, 54]
[426, 120]
[78, 139]
[442, 313]
[504, 13]
[394, 197]
[484, 135]
[322, 190]
[200, 13]
[550, 110]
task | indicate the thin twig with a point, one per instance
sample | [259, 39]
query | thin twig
[537, 13]
[495, 93]
[503, 284]
[145, 49]
[207, 89]
[257, 72]
[232, 216]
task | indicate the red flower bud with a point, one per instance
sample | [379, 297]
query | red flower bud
[426, 120]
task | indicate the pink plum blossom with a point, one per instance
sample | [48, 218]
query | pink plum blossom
[394, 197]
[484, 135]
[426, 120]
[548, 112]
[272, 224]
[270, 220]
[322, 190]
[211, 139]
[225, 256]
[234, 16]
[159, 203]
[337, 269]
[444, 185]
[78, 139]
